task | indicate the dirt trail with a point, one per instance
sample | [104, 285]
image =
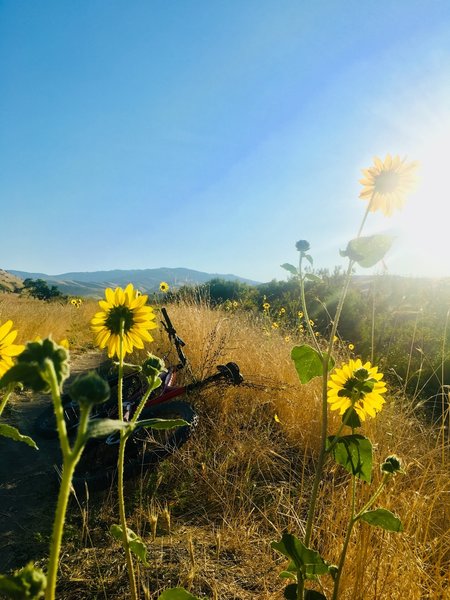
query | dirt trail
[28, 479]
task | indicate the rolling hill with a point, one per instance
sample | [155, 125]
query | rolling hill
[93, 283]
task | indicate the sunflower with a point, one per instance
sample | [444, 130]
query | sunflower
[266, 306]
[130, 308]
[357, 386]
[386, 183]
[164, 287]
[7, 348]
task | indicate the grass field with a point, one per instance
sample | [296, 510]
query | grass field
[210, 512]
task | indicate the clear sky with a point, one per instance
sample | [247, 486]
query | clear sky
[213, 134]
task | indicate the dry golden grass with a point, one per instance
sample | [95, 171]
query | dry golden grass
[210, 512]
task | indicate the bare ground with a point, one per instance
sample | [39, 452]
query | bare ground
[29, 479]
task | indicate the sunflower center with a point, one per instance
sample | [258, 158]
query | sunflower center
[115, 315]
[356, 387]
[387, 182]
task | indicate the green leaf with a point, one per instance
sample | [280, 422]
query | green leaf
[312, 277]
[304, 558]
[136, 544]
[351, 419]
[308, 362]
[367, 251]
[290, 592]
[290, 268]
[161, 423]
[309, 258]
[382, 518]
[177, 594]
[288, 575]
[102, 427]
[313, 595]
[354, 453]
[27, 583]
[14, 434]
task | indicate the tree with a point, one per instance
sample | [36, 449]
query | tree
[38, 288]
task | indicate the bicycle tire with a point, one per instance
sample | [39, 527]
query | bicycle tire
[97, 468]
[45, 423]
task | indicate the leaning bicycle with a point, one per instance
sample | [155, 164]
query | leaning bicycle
[146, 448]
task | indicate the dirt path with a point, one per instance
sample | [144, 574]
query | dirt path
[28, 479]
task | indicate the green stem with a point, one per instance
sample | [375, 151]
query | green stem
[58, 526]
[70, 460]
[348, 534]
[4, 400]
[144, 399]
[304, 306]
[120, 464]
[50, 377]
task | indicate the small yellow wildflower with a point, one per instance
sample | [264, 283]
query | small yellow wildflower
[356, 385]
[266, 306]
[235, 304]
[287, 338]
[311, 322]
[282, 311]
[64, 343]
[164, 287]
[335, 338]
[275, 325]
[300, 314]
[7, 348]
[276, 418]
[386, 183]
[351, 347]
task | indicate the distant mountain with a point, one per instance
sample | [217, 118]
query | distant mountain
[9, 282]
[93, 283]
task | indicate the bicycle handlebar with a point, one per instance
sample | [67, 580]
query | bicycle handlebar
[174, 337]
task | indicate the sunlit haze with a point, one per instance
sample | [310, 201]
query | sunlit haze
[214, 135]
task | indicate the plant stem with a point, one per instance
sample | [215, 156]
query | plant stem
[348, 534]
[5, 400]
[58, 526]
[303, 303]
[120, 462]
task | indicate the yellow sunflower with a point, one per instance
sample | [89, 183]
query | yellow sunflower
[7, 348]
[266, 306]
[127, 306]
[356, 385]
[386, 183]
[164, 287]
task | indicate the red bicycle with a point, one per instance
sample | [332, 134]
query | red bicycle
[146, 447]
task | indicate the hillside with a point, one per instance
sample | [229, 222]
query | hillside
[9, 282]
[93, 283]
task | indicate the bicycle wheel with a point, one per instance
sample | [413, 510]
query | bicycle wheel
[45, 424]
[145, 449]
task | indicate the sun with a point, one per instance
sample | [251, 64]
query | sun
[424, 223]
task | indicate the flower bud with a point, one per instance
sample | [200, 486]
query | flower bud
[302, 246]
[153, 366]
[392, 465]
[89, 389]
[31, 366]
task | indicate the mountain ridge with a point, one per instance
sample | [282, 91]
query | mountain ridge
[93, 283]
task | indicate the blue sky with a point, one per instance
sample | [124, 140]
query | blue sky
[214, 134]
